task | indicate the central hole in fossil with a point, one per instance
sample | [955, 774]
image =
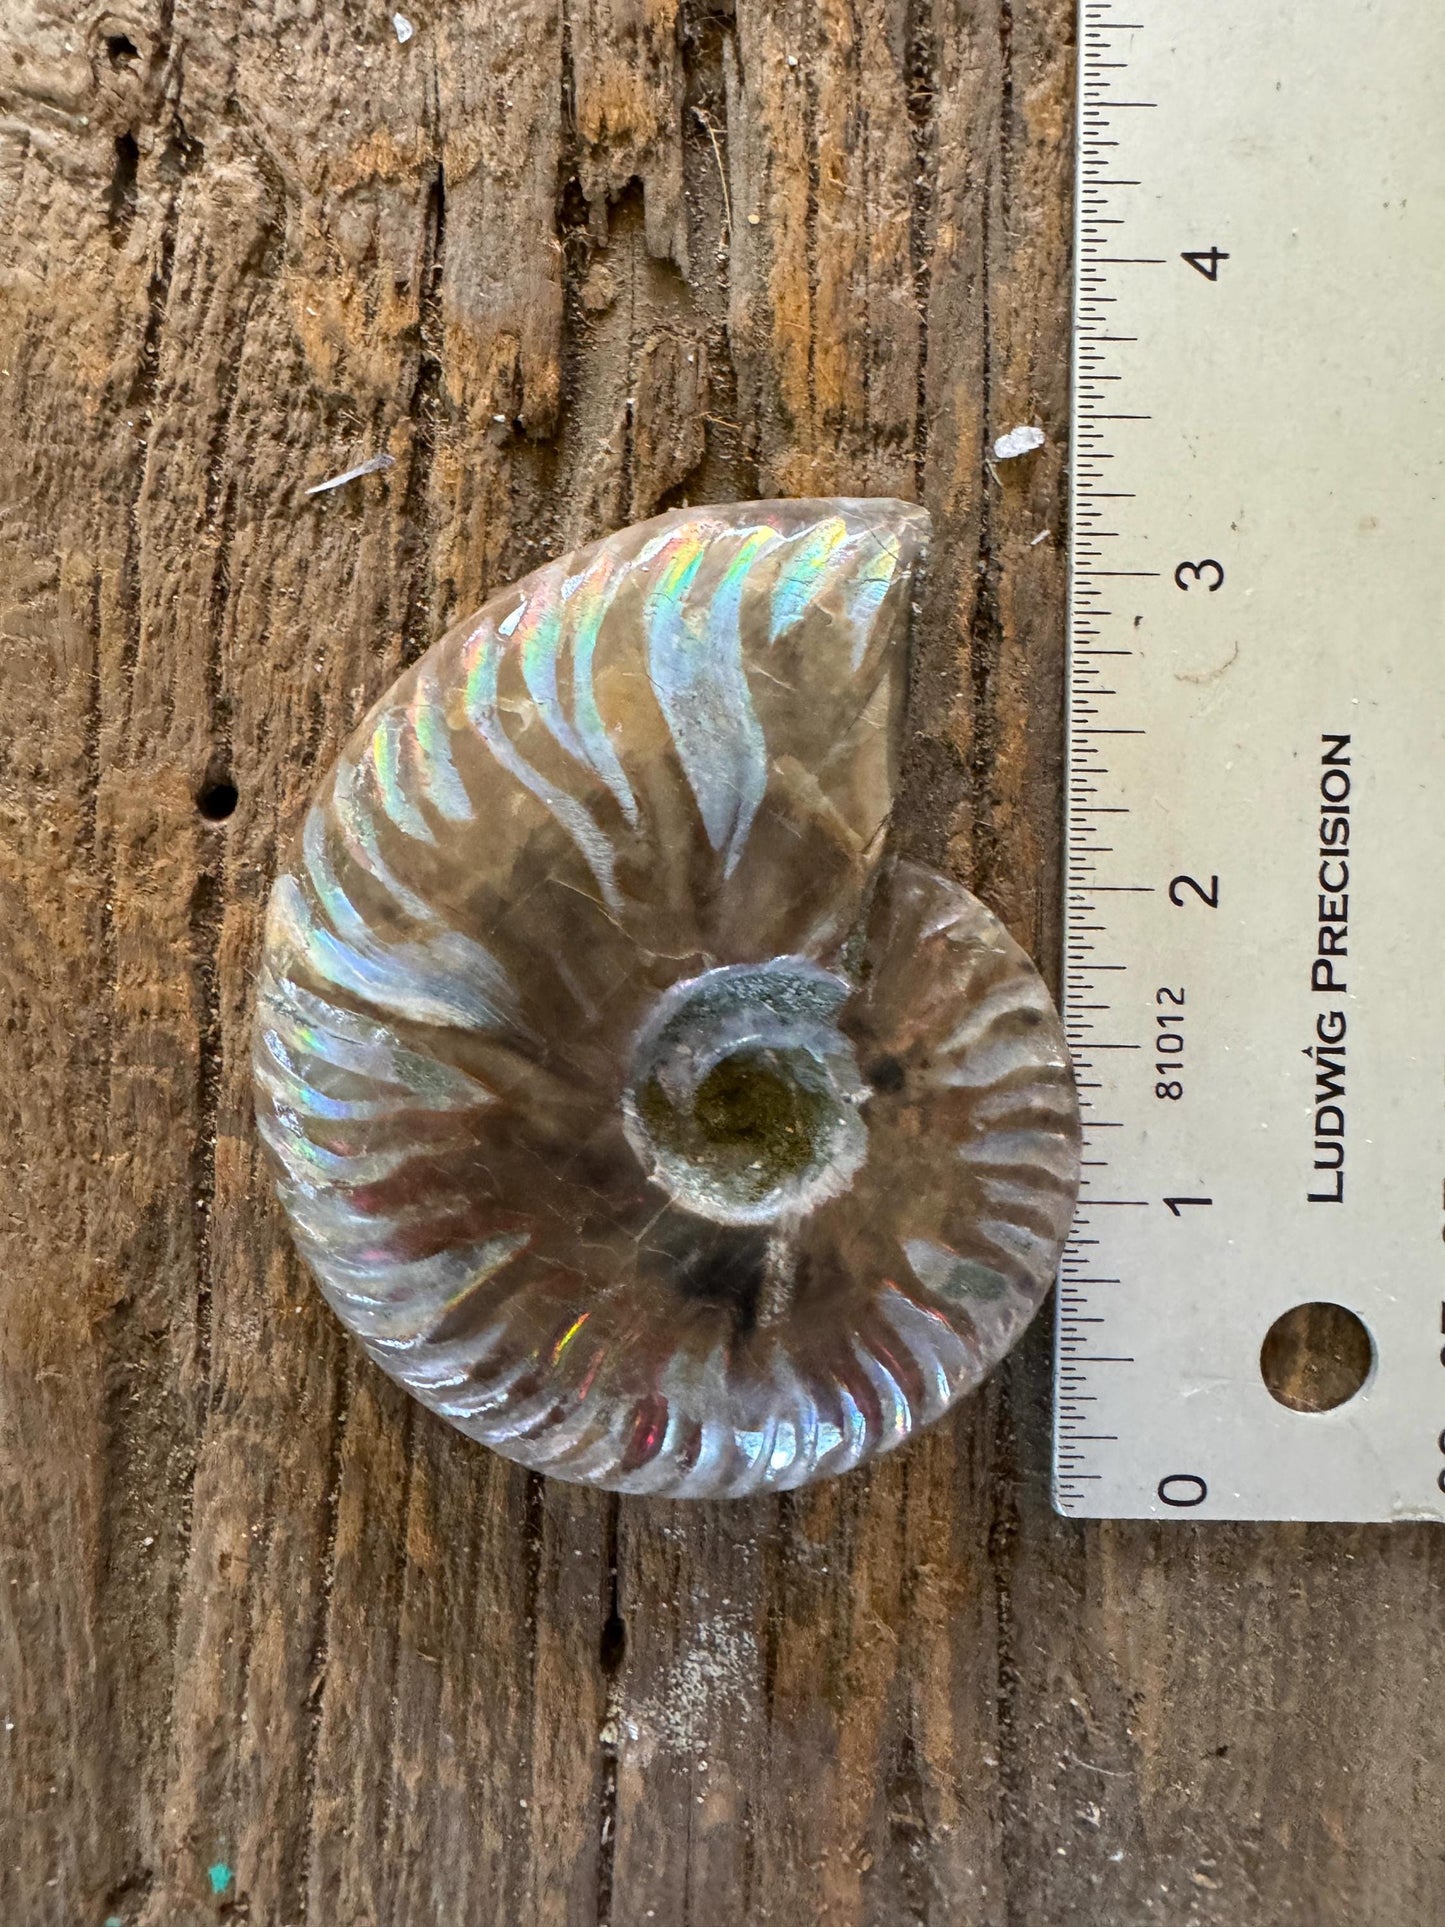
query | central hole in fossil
[753, 1120]
[745, 1100]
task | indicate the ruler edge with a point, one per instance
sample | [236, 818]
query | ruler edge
[1082, 18]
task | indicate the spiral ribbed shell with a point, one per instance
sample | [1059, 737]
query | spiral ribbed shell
[667, 755]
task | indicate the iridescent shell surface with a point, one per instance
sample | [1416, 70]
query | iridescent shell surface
[634, 1106]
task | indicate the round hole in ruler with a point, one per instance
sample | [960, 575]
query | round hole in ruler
[1315, 1357]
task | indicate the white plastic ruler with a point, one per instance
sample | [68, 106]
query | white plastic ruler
[1255, 932]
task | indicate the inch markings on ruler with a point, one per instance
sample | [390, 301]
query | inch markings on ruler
[1256, 764]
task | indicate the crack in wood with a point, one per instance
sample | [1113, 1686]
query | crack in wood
[318, 1659]
[424, 406]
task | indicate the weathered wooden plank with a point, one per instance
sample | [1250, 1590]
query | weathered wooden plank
[274, 1644]
[103, 1005]
[627, 100]
[823, 319]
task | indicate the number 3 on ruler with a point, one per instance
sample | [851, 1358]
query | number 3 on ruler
[1197, 571]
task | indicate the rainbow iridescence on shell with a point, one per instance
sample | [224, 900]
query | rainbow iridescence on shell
[633, 1105]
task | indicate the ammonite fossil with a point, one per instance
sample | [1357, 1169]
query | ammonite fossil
[634, 1105]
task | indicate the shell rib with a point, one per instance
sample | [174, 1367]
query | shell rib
[638, 1111]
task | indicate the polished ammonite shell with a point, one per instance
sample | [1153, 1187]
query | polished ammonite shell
[635, 1107]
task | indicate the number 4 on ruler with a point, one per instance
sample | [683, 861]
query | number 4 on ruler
[1205, 260]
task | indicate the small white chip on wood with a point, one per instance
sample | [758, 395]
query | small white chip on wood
[1018, 441]
[374, 465]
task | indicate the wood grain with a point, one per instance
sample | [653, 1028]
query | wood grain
[274, 1645]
